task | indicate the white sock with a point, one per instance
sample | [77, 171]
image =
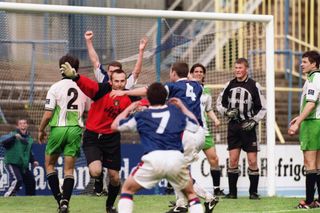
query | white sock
[182, 202]
[181, 199]
[125, 205]
[201, 192]
[196, 208]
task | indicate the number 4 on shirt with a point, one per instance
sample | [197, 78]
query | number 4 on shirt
[190, 93]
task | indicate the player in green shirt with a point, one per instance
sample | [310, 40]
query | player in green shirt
[198, 72]
[308, 121]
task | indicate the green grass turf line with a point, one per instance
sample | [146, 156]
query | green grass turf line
[145, 204]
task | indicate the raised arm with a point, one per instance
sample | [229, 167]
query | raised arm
[137, 68]
[94, 58]
[7, 140]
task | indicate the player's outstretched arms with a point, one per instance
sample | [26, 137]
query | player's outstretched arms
[178, 103]
[132, 107]
[137, 68]
[93, 56]
[141, 91]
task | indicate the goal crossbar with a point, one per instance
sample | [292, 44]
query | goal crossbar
[25, 7]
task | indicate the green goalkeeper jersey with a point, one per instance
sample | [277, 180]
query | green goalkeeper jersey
[310, 93]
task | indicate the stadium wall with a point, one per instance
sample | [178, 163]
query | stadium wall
[290, 175]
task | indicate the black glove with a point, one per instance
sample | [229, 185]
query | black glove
[233, 114]
[248, 125]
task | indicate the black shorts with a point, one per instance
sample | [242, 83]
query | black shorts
[238, 138]
[103, 147]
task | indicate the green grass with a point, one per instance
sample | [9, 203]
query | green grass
[145, 204]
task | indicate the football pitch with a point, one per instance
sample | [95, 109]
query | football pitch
[145, 204]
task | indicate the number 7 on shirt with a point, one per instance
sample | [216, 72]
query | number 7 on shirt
[164, 120]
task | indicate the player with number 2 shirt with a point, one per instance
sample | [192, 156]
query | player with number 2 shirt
[64, 107]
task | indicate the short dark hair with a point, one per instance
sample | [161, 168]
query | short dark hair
[21, 119]
[114, 64]
[198, 65]
[118, 71]
[313, 57]
[157, 94]
[181, 68]
[73, 61]
[243, 61]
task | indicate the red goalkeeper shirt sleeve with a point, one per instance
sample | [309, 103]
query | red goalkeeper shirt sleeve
[89, 87]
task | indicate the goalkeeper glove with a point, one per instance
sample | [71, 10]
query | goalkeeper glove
[232, 114]
[248, 125]
[68, 71]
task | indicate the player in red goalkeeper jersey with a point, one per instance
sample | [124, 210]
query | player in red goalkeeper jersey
[101, 144]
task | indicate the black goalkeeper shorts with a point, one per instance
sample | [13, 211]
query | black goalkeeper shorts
[103, 147]
[238, 138]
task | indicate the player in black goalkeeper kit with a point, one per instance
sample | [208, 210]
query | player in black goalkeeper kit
[242, 102]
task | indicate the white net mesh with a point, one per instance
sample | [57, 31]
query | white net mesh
[217, 45]
[29, 62]
[31, 45]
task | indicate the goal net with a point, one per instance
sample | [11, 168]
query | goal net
[32, 42]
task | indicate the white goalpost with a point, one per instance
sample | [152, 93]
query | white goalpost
[205, 46]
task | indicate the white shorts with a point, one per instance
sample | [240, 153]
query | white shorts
[160, 164]
[193, 143]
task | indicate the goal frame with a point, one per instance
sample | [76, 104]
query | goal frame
[269, 33]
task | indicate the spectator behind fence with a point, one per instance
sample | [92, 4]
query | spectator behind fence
[18, 155]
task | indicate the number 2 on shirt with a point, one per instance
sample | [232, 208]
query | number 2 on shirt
[190, 93]
[164, 120]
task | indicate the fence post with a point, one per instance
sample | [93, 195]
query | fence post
[32, 72]
[158, 57]
[289, 55]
